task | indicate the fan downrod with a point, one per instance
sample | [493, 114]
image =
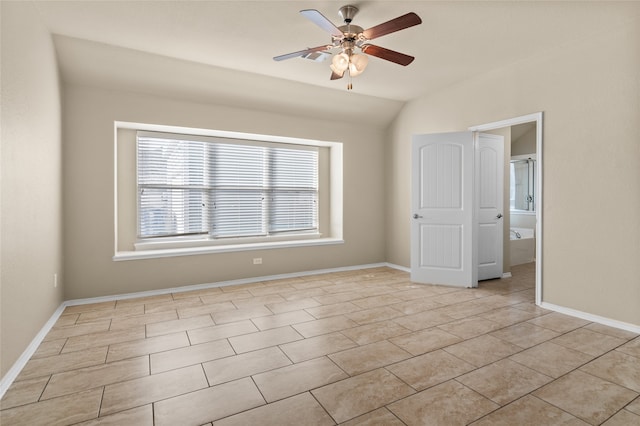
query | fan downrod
[347, 13]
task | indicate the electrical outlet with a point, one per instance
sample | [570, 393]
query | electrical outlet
[257, 261]
[55, 280]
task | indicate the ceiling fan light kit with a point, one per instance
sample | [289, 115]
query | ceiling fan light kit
[348, 38]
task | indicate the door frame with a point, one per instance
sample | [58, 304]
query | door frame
[529, 118]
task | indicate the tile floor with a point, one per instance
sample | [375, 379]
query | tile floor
[360, 347]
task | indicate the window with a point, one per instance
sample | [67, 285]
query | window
[222, 188]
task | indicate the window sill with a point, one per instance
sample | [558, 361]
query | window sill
[190, 251]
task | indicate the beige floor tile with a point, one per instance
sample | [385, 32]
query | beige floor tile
[195, 311]
[150, 318]
[507, 316]
[476, 351]
[270, 289]
[616, 367]
[139, 416]
[210, 404]
[303, 294]
[244, 365]
[148, 389]
[189, 355]
[611, 331]
[264, 339]
[416, 306]
[529, 411]
[23, 392]
[252, 302]
[623, 418]
[372, 333]
[369, 316]
[92, 316]
[96, 376]
[369, 357]
[292, 305]
[504, 381]
[77, 330]
[558, 322]
[298, 410]
[379, 417]
[49, 348]
[430, 369]
[61, 411]
[589, 342]
[525, 335]
[314, 347]
[103, 338]
[585, 396]
[279, 320]
[337, 295]
[455, 296]
[225, 317]
[361, 394]
[310, 284]
[470, 327]
[418, 292]
[326, 311]
[99, 306]
[55, 364]
[297, 378]
[423, 341]
[447, 404]
[377, 301]
[225, 296]
[147, 346]
[423, 320]
[70, 319]
[324, 326]
[144, 300]
[173, 326]
[551, 359]
[172, 305]
[634, 406]
[216, 332]
[196, 293]
[631, 348]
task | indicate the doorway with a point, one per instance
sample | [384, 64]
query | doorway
[535, 118]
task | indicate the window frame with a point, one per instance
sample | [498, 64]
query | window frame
[329, 232]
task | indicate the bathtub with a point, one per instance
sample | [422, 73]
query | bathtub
[522, 246]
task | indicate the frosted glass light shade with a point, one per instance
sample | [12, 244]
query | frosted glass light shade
[340, 63]
[357, 64]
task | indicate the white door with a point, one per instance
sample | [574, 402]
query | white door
[490, 200]
[442, 194]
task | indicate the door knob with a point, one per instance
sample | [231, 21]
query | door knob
[417, 216]
[499, 216]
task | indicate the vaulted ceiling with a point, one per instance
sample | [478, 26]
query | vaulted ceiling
[456, 41]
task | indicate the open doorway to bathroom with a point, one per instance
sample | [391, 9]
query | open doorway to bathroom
[522, 245]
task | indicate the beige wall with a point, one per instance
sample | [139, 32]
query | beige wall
[88, 117]
[31, 219]
[589, 92]
[525, 144]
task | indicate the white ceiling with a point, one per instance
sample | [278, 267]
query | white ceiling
[456, 41]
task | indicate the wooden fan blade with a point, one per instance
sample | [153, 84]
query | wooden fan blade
[336, 76]
[400, 23]
[320, 20]
[300, 53]
[387, 54]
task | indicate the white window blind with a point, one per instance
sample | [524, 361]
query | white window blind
[225, 189]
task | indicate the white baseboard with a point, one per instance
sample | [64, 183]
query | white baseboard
[593, 318]
[15, 369]
[506, 275]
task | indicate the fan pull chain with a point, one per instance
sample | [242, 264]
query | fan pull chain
[349, 85]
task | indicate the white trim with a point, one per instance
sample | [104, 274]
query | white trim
[536, 117]
[17, 366]
[506, 275]
[398, 267]
[189, 251]
[591, 317]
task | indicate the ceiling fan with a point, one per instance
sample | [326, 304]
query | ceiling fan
[350, 37]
